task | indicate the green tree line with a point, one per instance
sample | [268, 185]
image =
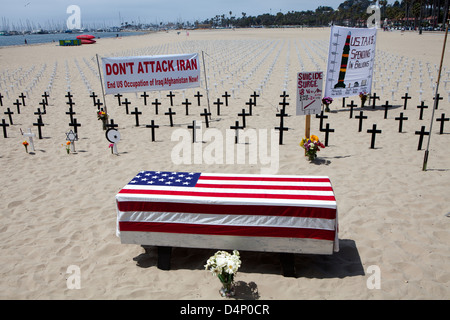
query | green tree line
[408, 13]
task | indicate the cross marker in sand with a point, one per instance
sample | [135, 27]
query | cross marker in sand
[386, 107]
[373, 131]
[198, 95]
[3, 124]
[17, 104]
[153, 126]
[226, 95]
[421, 107]
[136, 113]
[118, 96]
[321, 117]
[171, 95]
[126, 103]
[39, 124]
[361, 117]
[421, 133]
[206, 114]
[406, 98]
[236, 127]
[9, 113]
[327, 131]
[194, 127]
[351, 105]
[145, 96]
[442, 120]
[401, 119]
[374, 97]
[156, 104]
[186, 103]
[22, 96]
[170, 113]
[218, 103]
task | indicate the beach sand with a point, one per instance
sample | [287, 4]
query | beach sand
[58, 209]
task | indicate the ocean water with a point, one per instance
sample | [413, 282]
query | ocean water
[46, 38]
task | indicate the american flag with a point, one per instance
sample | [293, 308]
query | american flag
[233, 207]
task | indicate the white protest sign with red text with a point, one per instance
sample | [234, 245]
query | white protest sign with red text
[150, 73]
[309, 92]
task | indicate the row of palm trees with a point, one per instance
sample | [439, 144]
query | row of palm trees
[408, 13]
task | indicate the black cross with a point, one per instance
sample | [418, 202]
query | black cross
[39, 113]
[226, 95]
[9, 113]
[206, 114]
[70, 103]
[170, 113]
[39, 124]
[373, 131]
[45, 96]
[136, 114]
[156, 104]
[17, 104]
[70, 113]
[343, 102]
[43, 103]
[374, 98]
[406, 98]
[284, 103]
[93, 96]
[98, 104]
[327, 131]
[194, 127]
[401, 119]
[126, 103]
[284, 95]
[250, 104]
[198, 95]
[236, 127]
[23, 98]
[351, 105]
[145, 96]
[438, 98]
[1, 99]
[69, 95]
[281, 128]
[243, 114]
[421, 107]
[442, 119]
[187, 104]
[361, 117]
[218, 103]
[171, 95]
[111, 125]
[118, 96]
[4, 125]
[386, 107]
[422, 133]
[75, 125]
[254, 95]
[281, 115]
[321, 117]
[153, 126]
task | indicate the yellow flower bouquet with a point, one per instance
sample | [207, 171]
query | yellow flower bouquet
[312, 145]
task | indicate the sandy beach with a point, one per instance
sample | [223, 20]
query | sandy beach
[58, 210]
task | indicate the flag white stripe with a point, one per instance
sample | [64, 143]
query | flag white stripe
[227, 200]
[227, 220]
[232, 190]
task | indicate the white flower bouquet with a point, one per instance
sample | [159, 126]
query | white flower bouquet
[225, 266]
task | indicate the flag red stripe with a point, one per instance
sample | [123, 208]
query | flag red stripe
[227, 230]
[246, 186]
[298, 179]
[230, 195]
[291, 211]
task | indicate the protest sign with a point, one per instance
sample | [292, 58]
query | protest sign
[150, 73]
[309, 93]
[350, 61]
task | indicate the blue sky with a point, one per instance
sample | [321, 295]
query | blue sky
[150, 11]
